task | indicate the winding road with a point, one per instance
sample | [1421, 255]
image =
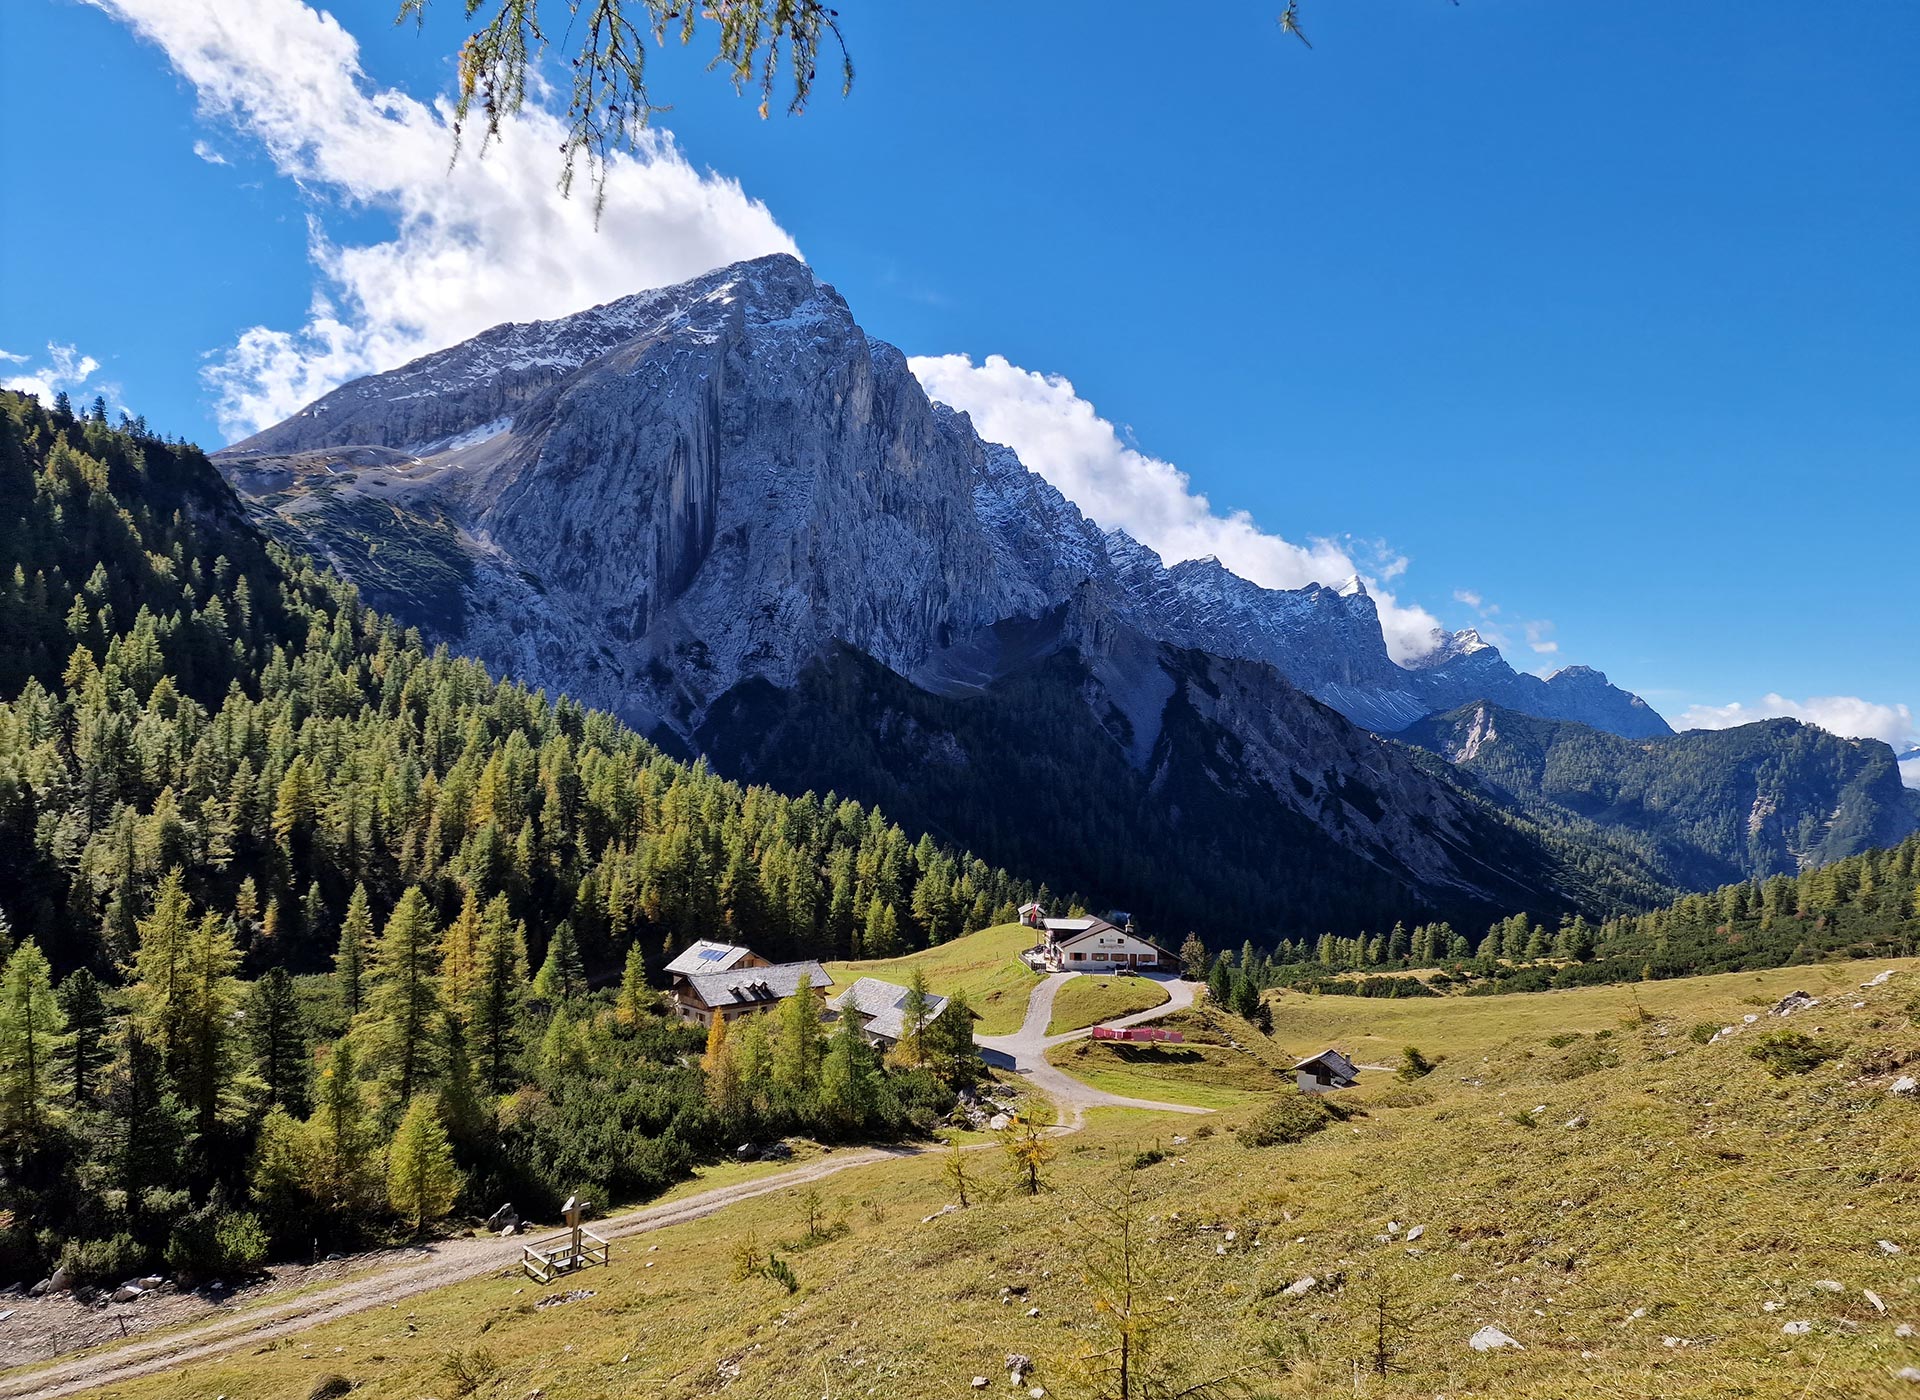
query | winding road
[1028, 1046]
[460, 1260]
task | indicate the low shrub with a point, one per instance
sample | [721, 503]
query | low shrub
[1703, 1031]
[1291, 1117]
[109, 1260]
[216, 1242]
[1792, 1052]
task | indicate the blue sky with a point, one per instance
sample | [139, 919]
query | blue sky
[1605, 316]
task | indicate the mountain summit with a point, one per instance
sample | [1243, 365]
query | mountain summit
[760, 477]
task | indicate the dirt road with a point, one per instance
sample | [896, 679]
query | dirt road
[1028, 1048]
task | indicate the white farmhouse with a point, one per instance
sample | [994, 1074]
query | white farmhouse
[1093, 945]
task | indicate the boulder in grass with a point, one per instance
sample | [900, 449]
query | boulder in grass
[1905, 1084]
[1491, 1338]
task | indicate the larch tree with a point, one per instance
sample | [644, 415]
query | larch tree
[422, 1180]
[350, 960]
[798, 1048]
[397, 1028]
[459, 953]
[208, 1074]
[716, 1038]
[913, 1020]
[636, 997]
[158, 973]
[32, 1038]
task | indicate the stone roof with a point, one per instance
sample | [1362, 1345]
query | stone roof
[748, 986]
[884, 1006]
[708, 956]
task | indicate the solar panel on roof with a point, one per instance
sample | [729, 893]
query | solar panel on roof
[711, 954]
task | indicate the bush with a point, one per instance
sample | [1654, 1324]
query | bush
[467, 1370]
[1414, 1065]
[1703, 1031]
[213, 1242]
[104, 1261]
[330, 1387]
[1291, 1117]
[1792, 1052]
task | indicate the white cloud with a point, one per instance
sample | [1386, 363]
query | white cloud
[64, 368]
[1058, 434]
[1540, 637]
[208, 154]
[1469, 597]
[1846, 715]
[485, 240]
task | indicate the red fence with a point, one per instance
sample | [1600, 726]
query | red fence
[1135, 1033]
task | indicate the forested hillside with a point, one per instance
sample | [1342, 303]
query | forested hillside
[218, 769]
[1700, 808]
[1864, 906]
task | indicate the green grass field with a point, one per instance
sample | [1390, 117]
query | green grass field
[1643, 1213]
[985, 965]
[1205, 1076]
[1087, 1001]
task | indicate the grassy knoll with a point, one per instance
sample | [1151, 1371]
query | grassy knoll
[985, 965]
[1087, 1001]
[1645, 1214]
[1374, 1030]
[1206, 1076]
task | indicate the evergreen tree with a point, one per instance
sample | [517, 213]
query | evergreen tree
[499, 990]
[84, 1003]
[950, 1047]
[563, 976]
[847, 1089]
[279, 1038]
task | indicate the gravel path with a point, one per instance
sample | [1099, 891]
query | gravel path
[1028, 1048]
[457, 1261]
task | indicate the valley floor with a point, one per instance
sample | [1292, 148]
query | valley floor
[1644, 1214]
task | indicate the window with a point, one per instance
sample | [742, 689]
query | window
[1079, 957]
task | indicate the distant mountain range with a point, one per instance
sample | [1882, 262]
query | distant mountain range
[1705, 808]
[725, 513]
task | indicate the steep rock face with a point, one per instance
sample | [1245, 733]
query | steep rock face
[1705, 807]
[663, 495]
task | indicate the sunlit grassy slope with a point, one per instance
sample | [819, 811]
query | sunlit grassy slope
[1643, 1213]
[985, 965]
[1086, 1001]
